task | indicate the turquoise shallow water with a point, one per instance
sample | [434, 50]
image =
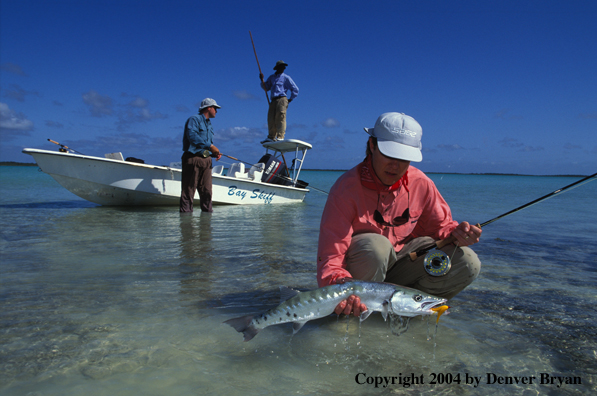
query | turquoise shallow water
[117, 301]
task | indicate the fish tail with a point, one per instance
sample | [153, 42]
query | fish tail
[243, 325]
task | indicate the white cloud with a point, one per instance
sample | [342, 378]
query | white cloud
[99, 105]
[330, 123]
[54, 124]
[17, 93]
[569, 146]
[450, 147]
[137, 111]
[528, 149]
[510, 143]
[334, 143]
[139, 102]
[588, 116]
[13, 68]
[505, 114]
[244, 134]
[11, 121]
[244, 95]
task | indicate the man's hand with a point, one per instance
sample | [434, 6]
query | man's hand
[466, 234]
[352, 305]
[215, 152]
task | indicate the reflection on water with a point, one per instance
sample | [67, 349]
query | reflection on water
[98, 300]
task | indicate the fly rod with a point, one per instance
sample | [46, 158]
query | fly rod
[260, 73]
[64, 148]
[444, 242]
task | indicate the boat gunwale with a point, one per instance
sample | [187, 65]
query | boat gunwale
[161, 167]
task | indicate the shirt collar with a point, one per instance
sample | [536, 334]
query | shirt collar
[370, 180]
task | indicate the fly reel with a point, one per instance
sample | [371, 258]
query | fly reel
[437, 263]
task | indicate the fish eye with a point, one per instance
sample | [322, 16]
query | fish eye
[418, 298]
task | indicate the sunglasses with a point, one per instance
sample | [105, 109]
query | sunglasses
[398, 221]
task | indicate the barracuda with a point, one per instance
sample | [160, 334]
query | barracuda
[301, 307]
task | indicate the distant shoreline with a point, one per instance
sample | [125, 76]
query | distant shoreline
[11, 163]
[454, 173]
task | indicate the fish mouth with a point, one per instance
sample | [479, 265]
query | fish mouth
[429, 305]
[440, 310]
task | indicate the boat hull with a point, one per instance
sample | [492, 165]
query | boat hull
[119, 183]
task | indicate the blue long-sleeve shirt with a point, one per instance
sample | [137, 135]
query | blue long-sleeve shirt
[198, 134]
[278, 84]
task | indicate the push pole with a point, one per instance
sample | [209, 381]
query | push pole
[260, 73]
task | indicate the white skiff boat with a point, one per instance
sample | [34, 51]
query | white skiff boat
[116, 182]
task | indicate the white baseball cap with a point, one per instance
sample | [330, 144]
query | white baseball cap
[208, 102]
[398, 136]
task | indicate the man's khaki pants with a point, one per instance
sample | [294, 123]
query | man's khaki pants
[372, 257]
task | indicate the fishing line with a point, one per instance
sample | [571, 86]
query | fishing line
[543, 198]
[437, 262]
[439, 244]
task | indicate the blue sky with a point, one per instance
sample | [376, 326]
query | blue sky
[498, 86]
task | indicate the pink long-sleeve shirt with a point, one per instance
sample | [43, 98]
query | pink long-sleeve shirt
[349, 211]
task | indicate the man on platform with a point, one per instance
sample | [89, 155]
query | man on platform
[278, 84]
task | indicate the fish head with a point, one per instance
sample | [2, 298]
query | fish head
[411, 302]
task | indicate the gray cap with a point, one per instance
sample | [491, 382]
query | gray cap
[398, 136]
[208, 102]
[280, 63]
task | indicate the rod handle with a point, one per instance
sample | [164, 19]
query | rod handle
[438, 245]
[232, 158]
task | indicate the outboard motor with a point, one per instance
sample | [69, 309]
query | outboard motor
[275, 171]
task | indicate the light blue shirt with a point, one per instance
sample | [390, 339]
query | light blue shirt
[278, 84]
[198, 134]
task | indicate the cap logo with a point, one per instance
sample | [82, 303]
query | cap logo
[402, 131]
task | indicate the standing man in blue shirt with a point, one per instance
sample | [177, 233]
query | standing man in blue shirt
[278, 83]
[198, 147]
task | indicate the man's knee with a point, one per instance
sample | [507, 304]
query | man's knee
[466, 260]
[369, 257]
[465, 267]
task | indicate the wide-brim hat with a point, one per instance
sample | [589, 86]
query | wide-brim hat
[280, 63]
[208, 102]
[398, 136]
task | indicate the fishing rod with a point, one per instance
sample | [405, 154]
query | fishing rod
[275, 175]
[260, 73]
[64, 148]
[444, 242]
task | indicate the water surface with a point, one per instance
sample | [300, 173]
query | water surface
[118, 301]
